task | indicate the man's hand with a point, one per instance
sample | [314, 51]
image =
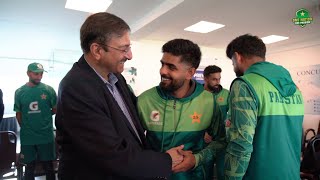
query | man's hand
[228, 123]
[188, 162]
[207, 138]
[175, 155]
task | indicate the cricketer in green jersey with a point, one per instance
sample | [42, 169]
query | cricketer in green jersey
[266, 116]
[35, 103]
[179, 111]
[212, 77]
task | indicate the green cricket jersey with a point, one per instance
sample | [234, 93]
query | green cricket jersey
[35, 104]
[171, 122]
[222, 98]
[266, 125]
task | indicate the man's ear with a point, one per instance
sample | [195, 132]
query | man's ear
[191, 71]
[95, 50]
[239, 58]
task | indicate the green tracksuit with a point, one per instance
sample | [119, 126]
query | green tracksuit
[265, 134]
[171, 122]
[222, 99]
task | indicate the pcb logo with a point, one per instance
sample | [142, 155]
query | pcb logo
[302, 18]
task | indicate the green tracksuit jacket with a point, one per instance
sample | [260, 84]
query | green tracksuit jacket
[266, 125]
[171, 122]
[222, 98]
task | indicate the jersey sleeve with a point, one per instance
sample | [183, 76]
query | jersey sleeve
[17, 105]
[244, 110]
[140, 114]
[219, 138]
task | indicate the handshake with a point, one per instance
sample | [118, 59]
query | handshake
[181, 160]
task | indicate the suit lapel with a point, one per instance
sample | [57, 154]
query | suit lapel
[122, 87]
[125, 96]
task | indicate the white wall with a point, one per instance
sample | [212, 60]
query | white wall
[26, 42]
[304, 56]
[146, 58]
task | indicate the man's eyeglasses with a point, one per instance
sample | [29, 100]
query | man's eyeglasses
[124, 51]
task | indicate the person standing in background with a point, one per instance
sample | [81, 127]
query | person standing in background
[267, 112]
[35, 103]
[179, 111]
[98, 128]
[1, 106]
[212, 77]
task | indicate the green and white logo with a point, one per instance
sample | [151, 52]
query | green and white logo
[302, 18]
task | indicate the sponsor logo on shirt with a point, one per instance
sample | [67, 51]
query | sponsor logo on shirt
[155, 118]
[155, 115]
[34, 107]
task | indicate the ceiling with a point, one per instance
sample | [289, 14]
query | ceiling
[163, 20]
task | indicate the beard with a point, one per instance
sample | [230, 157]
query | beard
[215, 88]
[35, 81]
[172, 86]
[238, 72]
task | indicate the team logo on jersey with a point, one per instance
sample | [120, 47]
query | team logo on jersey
[34, 107]
[43, 96]
[155, 116]
[220, 99]
[196, 117]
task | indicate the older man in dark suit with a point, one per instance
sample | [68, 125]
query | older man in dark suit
[98, 127]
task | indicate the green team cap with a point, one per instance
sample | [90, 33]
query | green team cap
[36, 67]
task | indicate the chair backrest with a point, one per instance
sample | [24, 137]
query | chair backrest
[306, 137]
[8, 144]
[316, 151]
[311, 156]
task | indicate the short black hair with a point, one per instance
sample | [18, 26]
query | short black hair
[100, 28]
[247, 45]
[211, 69]
[190, 52]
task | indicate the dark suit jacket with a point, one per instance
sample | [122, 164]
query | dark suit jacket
[96, 139]
[1, 106]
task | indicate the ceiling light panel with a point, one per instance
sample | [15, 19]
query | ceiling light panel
[273, 38]
[91, 6]
[204, 27]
